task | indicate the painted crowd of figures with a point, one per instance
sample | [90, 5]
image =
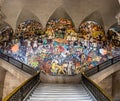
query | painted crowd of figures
[59, 50]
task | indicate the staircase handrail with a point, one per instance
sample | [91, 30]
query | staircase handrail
[97, 91]
[19, 93]
[102, 66]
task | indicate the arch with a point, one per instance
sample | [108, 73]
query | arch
[28, 19]
[60, 13]
[60, 25]
[92, 27]
[96, 17]
[26, 15]
[3, 25]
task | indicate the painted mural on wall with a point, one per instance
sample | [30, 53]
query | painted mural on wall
[28, 29]
[92, 31]
[5, 34]
[60, 50]
[114, 35]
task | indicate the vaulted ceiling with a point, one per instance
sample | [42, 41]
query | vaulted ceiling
[19, 10]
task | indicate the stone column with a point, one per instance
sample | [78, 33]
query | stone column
[2, 78]
[116, 86]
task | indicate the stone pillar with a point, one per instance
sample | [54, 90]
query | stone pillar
[116, 86]
[2, 78]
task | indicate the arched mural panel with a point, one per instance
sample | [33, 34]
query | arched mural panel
[60, 13]
[25, 15]
[6, 33]
[114, 35]
[92, 31]
[95, 17]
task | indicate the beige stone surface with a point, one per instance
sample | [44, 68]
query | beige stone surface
[109, 81]
[13, 77]
[98, 77]
[116, 86]
[10, 83]
[60, 79]
[106, 85]
[2, 78]
[19, 74]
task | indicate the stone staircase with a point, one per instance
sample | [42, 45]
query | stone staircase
[60, 92]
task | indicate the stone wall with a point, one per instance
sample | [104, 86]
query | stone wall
[98, 77]
[116, 86]
[13, 77]
[111, 85]
[21, 75]
[106, 85]
[2, 78]
[109, 80]
[10, 83]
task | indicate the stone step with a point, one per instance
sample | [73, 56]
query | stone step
[69, 90]
[60, 88]
[59, 93]
[59, 85]
[57, 96]
[60, 99]
[63, 86]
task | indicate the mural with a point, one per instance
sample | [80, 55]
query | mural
[60, 50]
[6, 34]
[114, 35]
[92, 31]
[29, 29]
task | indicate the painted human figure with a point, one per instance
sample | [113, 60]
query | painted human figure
[35, 45]
[69, 69]
[28, 43]
[83, 58]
